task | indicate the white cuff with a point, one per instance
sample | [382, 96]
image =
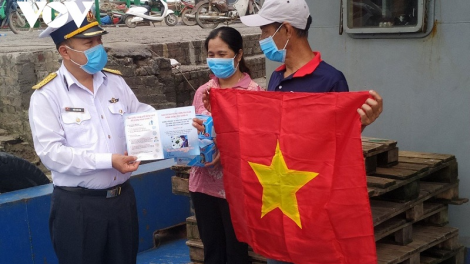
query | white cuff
[103, 161]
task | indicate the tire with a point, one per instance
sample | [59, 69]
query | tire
[188, 21]
[171, 20]
[129, 23]
[17, 22]
[203, 10]
[17, 173]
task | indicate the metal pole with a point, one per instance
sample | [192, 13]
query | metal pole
[53, 12]
[97, 11]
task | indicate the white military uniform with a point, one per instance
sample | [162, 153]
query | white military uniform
[75, 131]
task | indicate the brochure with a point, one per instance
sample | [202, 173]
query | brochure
[162, 134]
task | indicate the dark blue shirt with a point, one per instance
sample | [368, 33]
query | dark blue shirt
[316, 76]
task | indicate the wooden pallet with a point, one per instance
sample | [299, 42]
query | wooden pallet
[179, 185]
[191, 228]
[401, 182]
[196, 250]
[379, 153]
[424, 238]
[181, 171]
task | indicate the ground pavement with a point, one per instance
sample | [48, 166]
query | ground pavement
[161, 33]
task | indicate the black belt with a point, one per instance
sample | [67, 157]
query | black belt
[107, 193]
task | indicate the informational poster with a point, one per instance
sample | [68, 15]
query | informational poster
[162, 134]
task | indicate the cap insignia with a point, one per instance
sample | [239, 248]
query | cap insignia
[90, 17]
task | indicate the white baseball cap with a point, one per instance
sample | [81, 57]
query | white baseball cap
[295, 12]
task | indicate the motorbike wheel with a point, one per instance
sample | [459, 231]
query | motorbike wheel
[18, 23]
[186, 20]
[171, 20]
[129, 23]
[203, 11]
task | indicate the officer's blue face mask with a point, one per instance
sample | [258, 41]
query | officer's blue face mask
[221, 67]
[96, 56]
[270, 50]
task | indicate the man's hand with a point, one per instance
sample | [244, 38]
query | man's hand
[206, 99]
[198, 124]
[371, 109]
[124, 163]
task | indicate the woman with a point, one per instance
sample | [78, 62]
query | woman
[224, 47]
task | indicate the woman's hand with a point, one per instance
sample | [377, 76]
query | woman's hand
[206, 100]
[198, 124]
[216, 159]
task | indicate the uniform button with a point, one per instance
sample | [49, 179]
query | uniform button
[120, 111]
[114, 177]
[102, 117]
[78, 120]
[280, 86]
[109, 136]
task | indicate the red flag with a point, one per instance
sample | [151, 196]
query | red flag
[294, 174]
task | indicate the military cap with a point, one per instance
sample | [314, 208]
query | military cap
[88, 29]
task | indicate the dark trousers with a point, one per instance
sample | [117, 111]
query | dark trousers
[216, 231]
[94, 230]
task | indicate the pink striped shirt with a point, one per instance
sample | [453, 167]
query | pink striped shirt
[204, 179]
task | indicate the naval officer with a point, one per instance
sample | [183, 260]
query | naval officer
[76, 118]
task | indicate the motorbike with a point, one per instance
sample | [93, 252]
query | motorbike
[183, 8]
[138, 14]
[209, 13]
[11, 16]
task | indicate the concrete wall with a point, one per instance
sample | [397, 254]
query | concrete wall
[425, 84]
[18, 73]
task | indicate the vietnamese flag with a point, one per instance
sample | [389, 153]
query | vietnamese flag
[294, 174]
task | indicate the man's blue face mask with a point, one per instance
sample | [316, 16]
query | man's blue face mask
[270, 50]
[221, 67]
[96, 56]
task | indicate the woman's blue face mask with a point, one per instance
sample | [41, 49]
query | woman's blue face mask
[96, 59]
[270, 50]
[221, 67]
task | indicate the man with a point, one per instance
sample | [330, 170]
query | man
[284, 38]
[284, 28]
[76, 118]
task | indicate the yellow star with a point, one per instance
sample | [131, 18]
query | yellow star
[280, 185]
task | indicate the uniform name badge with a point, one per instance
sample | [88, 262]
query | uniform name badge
[74, 109]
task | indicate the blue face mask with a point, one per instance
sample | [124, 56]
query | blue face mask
[96, 59]
[222, 68]
[270, 50]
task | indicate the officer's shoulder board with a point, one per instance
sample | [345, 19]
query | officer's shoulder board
[48, 78]
[112, 71]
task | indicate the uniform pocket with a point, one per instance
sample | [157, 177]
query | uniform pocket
[117, 118]
[79, 130]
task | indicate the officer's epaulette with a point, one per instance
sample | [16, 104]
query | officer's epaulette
[48, 78]
[112, 71]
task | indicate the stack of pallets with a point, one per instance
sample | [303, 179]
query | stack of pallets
[409, 195]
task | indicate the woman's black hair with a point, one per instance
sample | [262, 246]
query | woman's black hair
[234, 40]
